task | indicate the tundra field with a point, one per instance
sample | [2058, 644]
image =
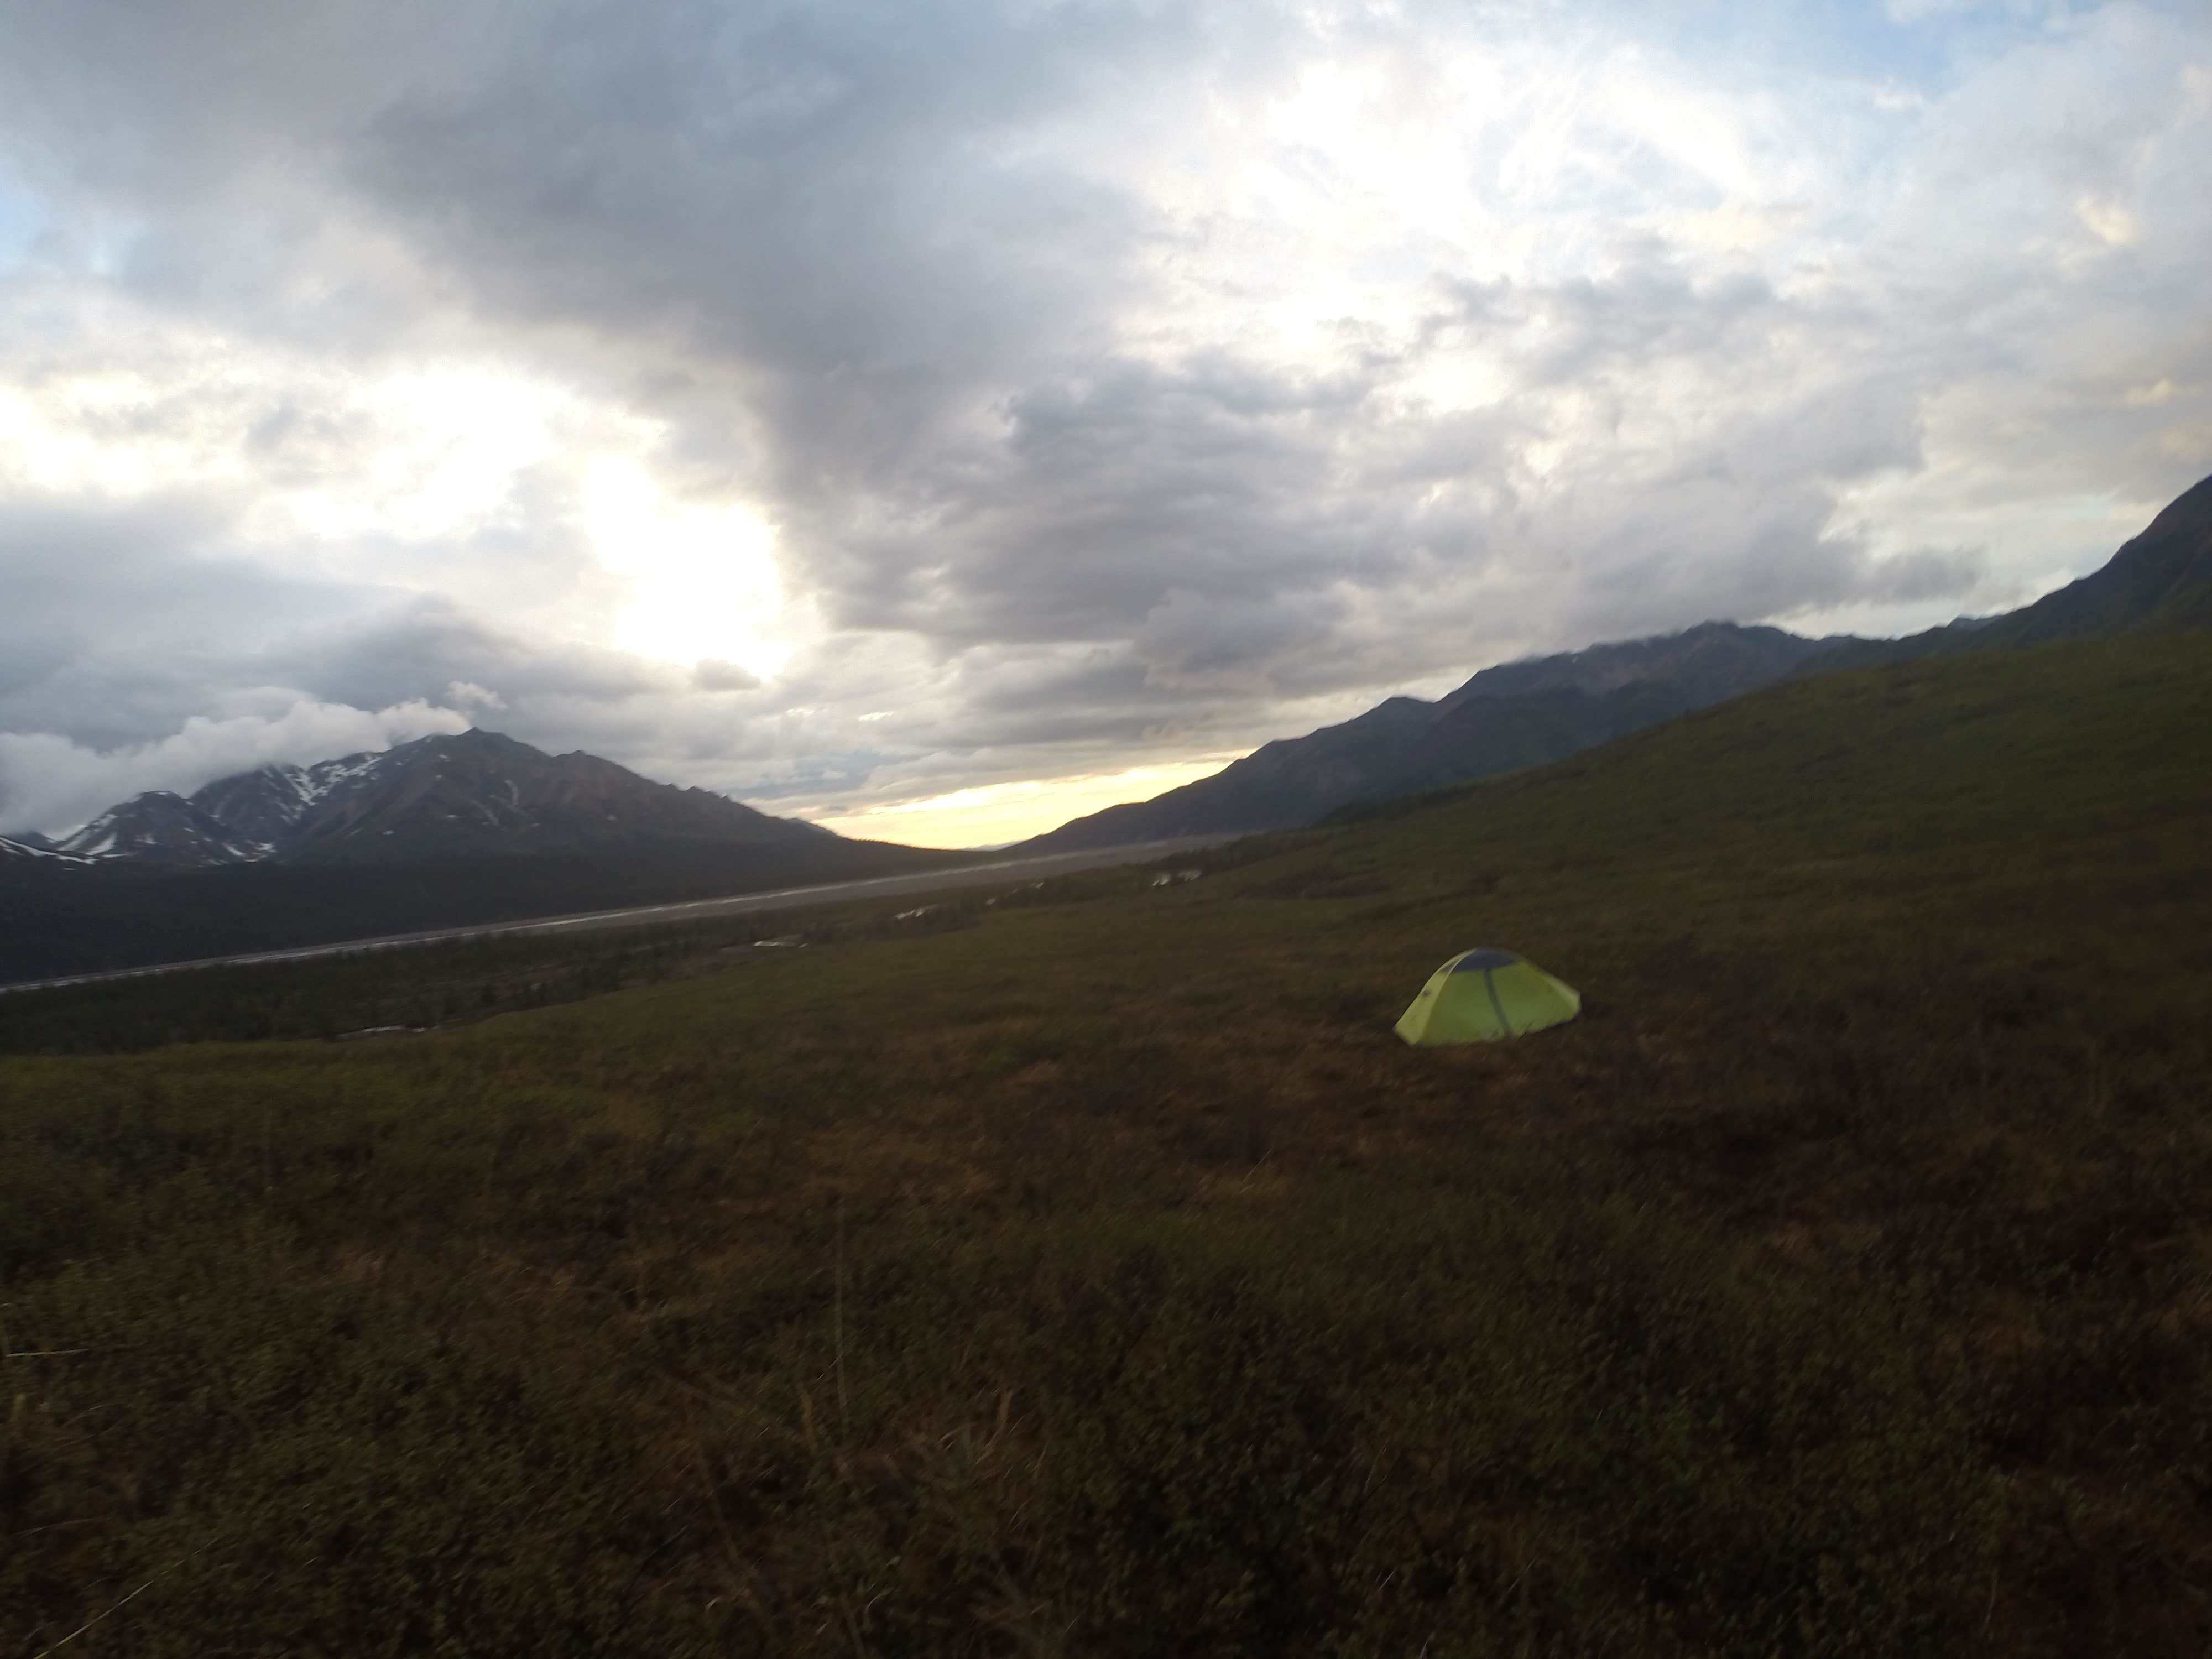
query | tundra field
[1093, 1272]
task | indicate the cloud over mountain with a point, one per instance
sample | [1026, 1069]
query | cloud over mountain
[835, 402]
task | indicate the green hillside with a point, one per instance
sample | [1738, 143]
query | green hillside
[1097, 1274]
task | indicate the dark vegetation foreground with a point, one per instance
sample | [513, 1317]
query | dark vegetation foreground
[1099, 1274]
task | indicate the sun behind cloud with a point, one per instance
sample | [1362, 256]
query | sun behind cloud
[702, 578]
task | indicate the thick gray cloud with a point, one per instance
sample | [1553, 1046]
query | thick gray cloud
[1113, 381]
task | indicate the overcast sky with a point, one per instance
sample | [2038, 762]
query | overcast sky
[940, 419]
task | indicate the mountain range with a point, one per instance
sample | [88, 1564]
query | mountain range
[478, 828]
[438, 797]
[444, 832]
[1524, 714]
[1519, 714]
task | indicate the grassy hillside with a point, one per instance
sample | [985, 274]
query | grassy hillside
[1100, 1276]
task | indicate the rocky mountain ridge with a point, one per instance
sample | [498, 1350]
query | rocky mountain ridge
[1525, 713]
[1518, 714]
[34, 852]
[478, 792]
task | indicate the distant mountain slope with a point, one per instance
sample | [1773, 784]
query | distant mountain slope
[1524, 714]
[437, 797]
[156, 828]
[443, 832]
[34, 853]
[1519, 714]
[2160, 579]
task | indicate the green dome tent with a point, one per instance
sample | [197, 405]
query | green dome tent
[1481, 995]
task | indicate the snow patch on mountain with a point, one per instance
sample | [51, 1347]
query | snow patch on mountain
[40, 852]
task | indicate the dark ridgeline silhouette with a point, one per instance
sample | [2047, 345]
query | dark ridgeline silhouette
[1524, 714]
[1520, 713]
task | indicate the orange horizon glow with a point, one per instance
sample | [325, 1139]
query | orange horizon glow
[992, 814]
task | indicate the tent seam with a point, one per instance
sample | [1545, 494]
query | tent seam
[1490, 984]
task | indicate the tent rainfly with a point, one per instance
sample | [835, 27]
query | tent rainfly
[1484, 994]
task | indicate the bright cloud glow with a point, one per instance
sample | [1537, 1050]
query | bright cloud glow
[992, 814]
[701, 580]
[449, 442]
[864, 409]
